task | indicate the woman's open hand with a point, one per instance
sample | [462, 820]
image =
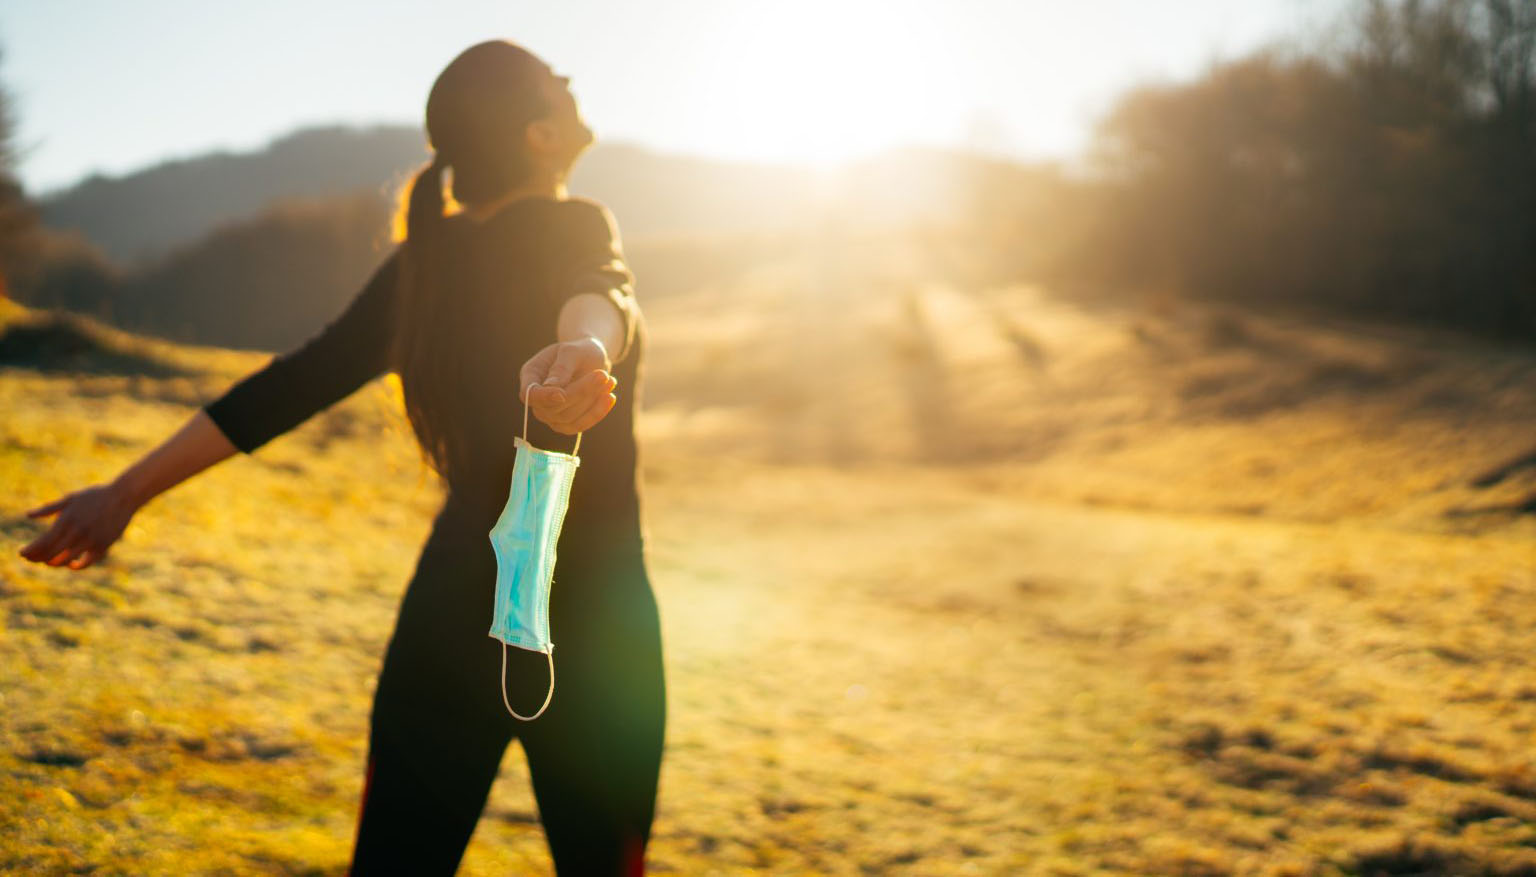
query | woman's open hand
[89, 521]
[567, 385]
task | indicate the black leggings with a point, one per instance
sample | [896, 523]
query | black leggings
[439, 727]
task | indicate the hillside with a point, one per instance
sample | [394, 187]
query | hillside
[860, 348]
[257, 251]
[141, 216]
[952, 579]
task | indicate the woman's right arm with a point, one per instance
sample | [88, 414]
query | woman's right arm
[292, 386]
[347, 353]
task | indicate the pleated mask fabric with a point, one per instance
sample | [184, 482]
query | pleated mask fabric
[524, 539]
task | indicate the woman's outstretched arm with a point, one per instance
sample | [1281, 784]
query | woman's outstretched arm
[291, 387]
[595, 328]
[575, 383]
[90, 520]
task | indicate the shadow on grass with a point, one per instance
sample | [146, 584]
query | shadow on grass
[55, 341]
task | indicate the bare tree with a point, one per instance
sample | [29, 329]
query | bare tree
[18, 216]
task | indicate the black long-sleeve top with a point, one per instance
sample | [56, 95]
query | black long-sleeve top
[506, 278]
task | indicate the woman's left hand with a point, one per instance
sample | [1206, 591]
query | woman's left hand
[567, 385]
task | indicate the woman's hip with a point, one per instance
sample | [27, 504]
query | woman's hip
[441, 657]
[597, 593]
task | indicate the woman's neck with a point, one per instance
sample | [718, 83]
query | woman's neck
[551, 187]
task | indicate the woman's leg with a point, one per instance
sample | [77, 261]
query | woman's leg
[595, 755]
[421, 802]
[437, 731]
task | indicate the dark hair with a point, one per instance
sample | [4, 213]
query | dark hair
[477, 114]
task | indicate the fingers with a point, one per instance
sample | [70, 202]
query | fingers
[563, 403]
[570, 359]
[53, 552]
[565, 413]
[75, 553]
[541, 398]
[48, 509]
[562, 369]
[535, 370]
[567, 387]
[595, 411]
[58, 546]
[557, 364]
[91, 520]
[47, 545]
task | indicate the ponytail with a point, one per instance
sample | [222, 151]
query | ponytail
[424, 215]
[422, 349]
[477, 118]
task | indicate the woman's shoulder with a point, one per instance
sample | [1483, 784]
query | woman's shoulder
[583, 210]
[580, 223]
[574, 210]
[588, 220]
[583, 204]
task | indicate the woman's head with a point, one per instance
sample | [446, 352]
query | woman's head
[497, 116]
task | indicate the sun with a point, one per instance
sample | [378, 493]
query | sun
[822, 82]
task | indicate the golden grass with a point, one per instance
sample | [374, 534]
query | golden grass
[954, 583]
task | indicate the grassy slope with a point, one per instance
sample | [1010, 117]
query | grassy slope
[1000, 585]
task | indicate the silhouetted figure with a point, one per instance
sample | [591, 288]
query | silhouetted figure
[522, 286]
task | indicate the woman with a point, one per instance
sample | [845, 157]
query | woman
[522, 284]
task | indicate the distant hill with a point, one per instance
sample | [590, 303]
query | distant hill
[259, 249]
[141, 216]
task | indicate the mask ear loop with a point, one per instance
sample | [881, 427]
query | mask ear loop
[526, 406]
[547, 697]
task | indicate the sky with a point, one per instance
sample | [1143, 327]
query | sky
[110, 87]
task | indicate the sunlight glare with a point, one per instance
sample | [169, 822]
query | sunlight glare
[868, 77]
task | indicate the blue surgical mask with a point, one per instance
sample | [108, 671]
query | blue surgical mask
[524, 538]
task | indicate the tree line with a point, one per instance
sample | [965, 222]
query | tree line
[1390, 175]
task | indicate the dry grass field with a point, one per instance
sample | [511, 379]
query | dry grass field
[952, 580]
